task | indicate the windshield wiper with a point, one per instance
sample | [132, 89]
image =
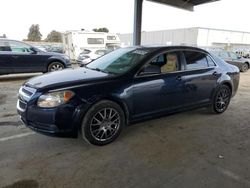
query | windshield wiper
[100, 70]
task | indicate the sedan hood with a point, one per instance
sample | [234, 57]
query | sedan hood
[65, 78]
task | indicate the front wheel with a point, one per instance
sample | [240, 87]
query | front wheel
[221, 99]
[55, 66]
[103, 123]
[244, 67]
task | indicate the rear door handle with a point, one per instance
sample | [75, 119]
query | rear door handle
[178, 78]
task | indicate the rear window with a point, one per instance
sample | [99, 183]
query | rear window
[4, 46]
[195, 60]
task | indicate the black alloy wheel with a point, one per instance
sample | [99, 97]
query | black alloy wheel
[222, 99]
[244, 67]
[103, 123]
[55, 66]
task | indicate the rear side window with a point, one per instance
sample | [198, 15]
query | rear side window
[4, 46]
[210, 62]
[195, 60]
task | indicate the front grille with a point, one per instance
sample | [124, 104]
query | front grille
[21, 105]
[29, 93]
[25, 94]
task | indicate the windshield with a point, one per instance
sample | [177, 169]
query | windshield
[118, 61]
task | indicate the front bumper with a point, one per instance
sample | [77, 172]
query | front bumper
[60, 121]
[49, 121]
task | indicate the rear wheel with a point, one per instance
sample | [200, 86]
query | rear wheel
[221, 99]
[55, 66]
[103, 123]
[244, 67]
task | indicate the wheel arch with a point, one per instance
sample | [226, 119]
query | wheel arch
[247, 62]
[227, 83]
[122, 105]
[81, 111]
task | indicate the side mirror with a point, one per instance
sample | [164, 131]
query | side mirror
[33, 50]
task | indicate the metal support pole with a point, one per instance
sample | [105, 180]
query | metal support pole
[137, 22]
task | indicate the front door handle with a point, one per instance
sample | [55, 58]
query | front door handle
[15, 56]
[215, 73]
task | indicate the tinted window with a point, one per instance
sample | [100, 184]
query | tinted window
[95, 41]
[163, 63]
[101, 52]
[195, 60]
[4, 46]
[233, 55]
[223, 55]
[118, 61]
[210, 62]
[111, 37]
[19, 47]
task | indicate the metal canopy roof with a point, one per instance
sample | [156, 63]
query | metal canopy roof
[183, 4]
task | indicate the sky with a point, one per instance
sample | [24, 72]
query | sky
[117, 15]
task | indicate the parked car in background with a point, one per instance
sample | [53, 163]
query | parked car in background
[126, 86]
[57, 49]
[88, 55]
[19, 57]
[42, 48]
[230, 57]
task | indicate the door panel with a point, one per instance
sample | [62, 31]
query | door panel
[6, 63]
[157, 94]
[200, 77]
[29, 62]
[24, 58]
[199, 85]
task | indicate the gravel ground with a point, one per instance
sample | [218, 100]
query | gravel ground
[190, 149]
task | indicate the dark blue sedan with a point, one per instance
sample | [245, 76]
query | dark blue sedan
[126, 86]
[19, 57]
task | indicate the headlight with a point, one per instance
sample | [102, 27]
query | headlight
[54, 99]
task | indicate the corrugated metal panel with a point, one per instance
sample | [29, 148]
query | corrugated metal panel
[184, 4]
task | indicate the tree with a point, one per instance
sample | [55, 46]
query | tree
[54, 36]
[34, 33]
[4, 36]
[103, 29]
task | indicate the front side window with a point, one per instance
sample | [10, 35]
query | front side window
[233, 55]
[223, 55]
[195, 60]
[164, 63]
[19, 47]
[119, 61]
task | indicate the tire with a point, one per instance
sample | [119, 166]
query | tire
[221, 100]
[103, 123]
[244, 67]
[55, 66]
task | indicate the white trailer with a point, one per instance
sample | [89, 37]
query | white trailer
[74, 42]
